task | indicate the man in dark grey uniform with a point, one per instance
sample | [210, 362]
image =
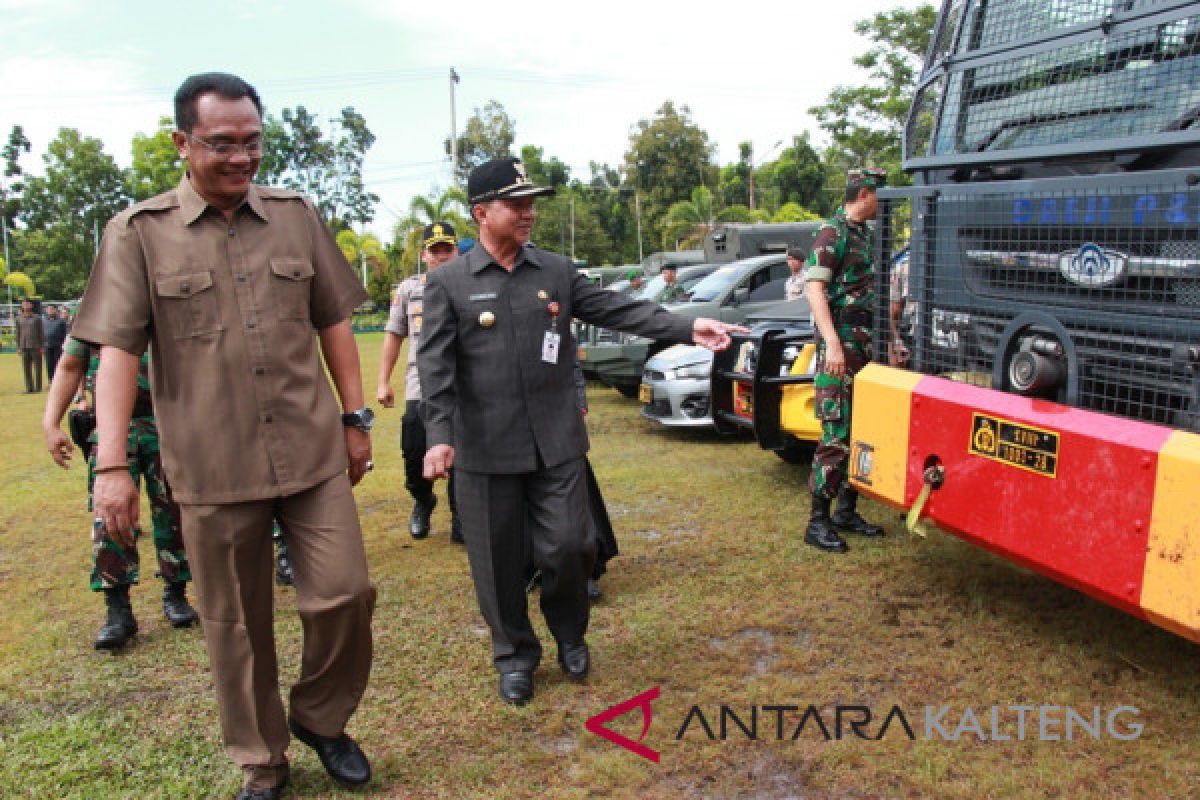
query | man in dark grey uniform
[499, 408]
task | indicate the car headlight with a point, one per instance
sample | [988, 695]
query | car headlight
[698, 371]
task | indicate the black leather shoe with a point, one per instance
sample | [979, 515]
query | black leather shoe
[418, 521]
[341, 756]
[594, 590]
[119, 625]
[574, 659]
[274, 793]
[176, 607]
[516, 687]
[820, 534]
[851, 522]
[456, 531]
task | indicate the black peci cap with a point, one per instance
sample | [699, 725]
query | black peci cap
[501, 178]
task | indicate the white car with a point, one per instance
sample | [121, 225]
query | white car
[675, 387]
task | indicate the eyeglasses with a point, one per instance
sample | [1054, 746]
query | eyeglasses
[253, 148]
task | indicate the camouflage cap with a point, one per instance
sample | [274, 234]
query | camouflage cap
[869, 178]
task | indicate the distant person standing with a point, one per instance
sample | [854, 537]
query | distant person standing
[794, 286]
[841, 294]
[31, 342]
[55, 328]
[672, 292]
[439, 245]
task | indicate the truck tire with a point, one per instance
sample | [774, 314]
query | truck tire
[797, 452]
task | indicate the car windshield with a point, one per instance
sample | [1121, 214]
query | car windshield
[715, 284]
[651, 289]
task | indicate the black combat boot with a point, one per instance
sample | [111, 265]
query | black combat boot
[283, 564]
[848, 520]
[418, 523]
[119, 626]
[820, 532]
[176, 607]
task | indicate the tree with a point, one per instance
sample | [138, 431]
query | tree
[365, 249]
[298, 155]
[794, 212]
[489, 133]
[443, 206]
[799, 175]
[156, 166]
[17, 145]
[668, 157]
[735, 178]
[689, 220]
[866, 122]
[64, 210]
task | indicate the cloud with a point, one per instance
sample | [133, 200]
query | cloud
[101, 97]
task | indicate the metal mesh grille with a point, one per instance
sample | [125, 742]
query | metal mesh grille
[922, 118]
[1138, 82]
[1089, 297]
[995, 24]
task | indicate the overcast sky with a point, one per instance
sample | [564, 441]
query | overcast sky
[575, 77]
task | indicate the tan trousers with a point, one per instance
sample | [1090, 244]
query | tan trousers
[229, 546]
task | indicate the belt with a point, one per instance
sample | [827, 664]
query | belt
[143, 408]
[855, 317]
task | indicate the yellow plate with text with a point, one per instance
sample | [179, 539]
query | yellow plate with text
[1021, 446]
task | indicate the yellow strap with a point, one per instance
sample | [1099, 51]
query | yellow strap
[914, 513]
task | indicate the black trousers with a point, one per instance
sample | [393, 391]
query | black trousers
[412, 444]
[510, 521]
[53, 354]
[31, 360]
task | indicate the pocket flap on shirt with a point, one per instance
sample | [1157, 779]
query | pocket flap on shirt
[294, 269]
[183, 285]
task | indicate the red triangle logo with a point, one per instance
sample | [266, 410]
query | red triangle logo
[643, 701]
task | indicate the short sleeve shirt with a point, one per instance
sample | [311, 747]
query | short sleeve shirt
[404, 319]
[841, 258]
[230, 310]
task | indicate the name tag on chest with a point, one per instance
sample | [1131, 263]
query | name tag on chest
[476, 298]
[550, 347]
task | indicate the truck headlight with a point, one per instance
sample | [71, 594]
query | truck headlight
[946, 327]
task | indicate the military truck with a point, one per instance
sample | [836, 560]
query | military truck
[1051, 406]
[738, 240]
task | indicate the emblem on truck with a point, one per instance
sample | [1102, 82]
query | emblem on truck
[1092, 266]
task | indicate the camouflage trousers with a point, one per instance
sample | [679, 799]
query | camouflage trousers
[832, 406]
[114, 565]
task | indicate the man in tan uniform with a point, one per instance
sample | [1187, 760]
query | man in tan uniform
[231, 285]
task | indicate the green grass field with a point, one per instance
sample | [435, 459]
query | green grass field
[714, 599]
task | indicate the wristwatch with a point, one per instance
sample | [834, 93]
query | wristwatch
[363, 419]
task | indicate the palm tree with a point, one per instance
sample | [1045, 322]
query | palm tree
[448, 206]
[689, 220]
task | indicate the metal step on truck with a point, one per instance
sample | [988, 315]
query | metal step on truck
[1051, 406]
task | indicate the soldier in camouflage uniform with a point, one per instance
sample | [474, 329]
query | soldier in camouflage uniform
[115, 568]
[673, 292]
[839, 285]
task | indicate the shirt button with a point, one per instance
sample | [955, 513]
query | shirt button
[185, 287]
[260, 370]
[250, 323]
[266, 417]
[241, 276]
[232, 232]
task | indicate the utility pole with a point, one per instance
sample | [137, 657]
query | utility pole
[453, 129]
[637, 213]
[770, 152]
[572, 197]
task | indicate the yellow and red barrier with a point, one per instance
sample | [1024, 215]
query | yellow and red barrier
[1106, 505]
